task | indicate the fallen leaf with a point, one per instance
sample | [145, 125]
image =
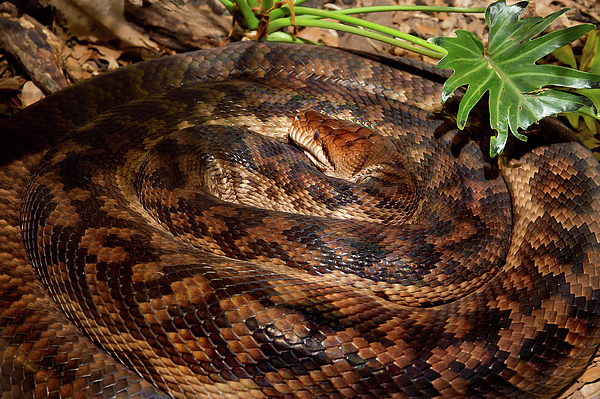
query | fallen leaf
[12, 83]
[592, 374]
[30, 94]
[328, 37]
[104, 20]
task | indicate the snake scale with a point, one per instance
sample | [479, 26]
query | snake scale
[148, 249]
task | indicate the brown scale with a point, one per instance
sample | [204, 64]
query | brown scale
[182, 175]
[100, 299]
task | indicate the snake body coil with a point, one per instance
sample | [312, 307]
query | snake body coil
[150, 247]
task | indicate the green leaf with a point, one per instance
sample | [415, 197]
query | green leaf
[594, 96]
[566, 56]
[520, 91]
[590, 62]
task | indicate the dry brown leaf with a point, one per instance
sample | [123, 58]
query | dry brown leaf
[113, 64]
[591, 391]
[30, 94]
[12, 83]
[102, 19]
[75, 69]
[181, 25]
[5, 68]
[426, 30]
[81, 52]
[448, 24]
[107, 53]
[329, 37]
[591, 374]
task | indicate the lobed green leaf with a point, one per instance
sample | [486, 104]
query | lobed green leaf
[520, 91]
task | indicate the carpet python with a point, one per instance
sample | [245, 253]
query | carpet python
[279, 221]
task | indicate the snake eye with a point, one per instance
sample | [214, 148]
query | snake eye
[317, 134]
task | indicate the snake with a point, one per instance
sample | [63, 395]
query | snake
[269, 220]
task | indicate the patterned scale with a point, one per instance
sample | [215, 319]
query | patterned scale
[267, 220]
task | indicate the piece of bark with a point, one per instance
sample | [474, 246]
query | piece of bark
[34, 46]
[181, 26]
[104, 21]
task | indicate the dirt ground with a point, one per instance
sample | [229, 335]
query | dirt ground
[46, 45]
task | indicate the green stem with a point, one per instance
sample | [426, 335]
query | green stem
[306, 17]
[287, 38]
[284, 10]
[266, 4]
[248, 14]
[588, 112]
[366, 33]
[228, 5]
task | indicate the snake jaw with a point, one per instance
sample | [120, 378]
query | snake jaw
[307, 138]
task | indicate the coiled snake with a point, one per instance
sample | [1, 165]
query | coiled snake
[152, 252]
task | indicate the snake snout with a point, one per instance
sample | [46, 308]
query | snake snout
[346, 150]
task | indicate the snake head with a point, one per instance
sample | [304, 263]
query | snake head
[346, 150]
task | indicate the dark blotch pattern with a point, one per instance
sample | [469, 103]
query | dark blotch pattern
[152, 253]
